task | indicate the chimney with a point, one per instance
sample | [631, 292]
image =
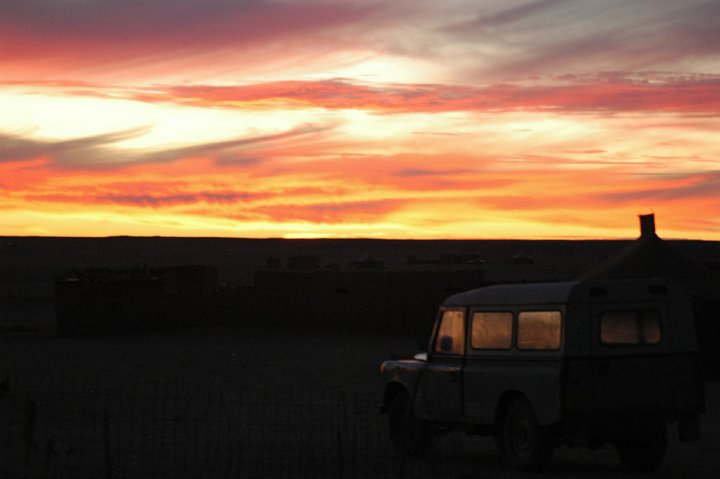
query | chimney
[647, 225]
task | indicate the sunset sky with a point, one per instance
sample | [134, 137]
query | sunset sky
[359, 118]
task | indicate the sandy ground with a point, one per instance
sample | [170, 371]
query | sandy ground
[320, 365]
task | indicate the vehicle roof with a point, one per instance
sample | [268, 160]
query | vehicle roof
[504, 294]
[650, 289]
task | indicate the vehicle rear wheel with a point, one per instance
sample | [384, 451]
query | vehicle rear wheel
[524, 444]
[643, 448]
[499, 444]
[408, 434]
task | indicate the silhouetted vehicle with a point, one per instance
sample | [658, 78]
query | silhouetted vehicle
[541, 365]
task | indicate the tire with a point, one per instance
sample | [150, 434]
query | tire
[643, 448]
[408, 434]
[499, 444]
[524, 443]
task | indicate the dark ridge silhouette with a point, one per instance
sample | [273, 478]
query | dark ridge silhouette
[341, 284]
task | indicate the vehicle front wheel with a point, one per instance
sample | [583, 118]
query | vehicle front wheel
[408, 434]
[643, 448]
[524, 444]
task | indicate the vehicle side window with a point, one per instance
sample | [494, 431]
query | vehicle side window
[539, 330]
[451, 333]
[491, 330]
[625, 328]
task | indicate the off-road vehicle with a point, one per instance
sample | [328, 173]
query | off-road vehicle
[542, 365]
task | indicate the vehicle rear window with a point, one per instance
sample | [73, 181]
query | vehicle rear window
[491, 330]
[626, 328]
[539, 330]
[451, 333]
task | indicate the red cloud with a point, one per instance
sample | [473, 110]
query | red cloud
[595, 94]
[678, 95]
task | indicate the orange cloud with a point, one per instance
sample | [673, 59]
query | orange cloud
[439, 203]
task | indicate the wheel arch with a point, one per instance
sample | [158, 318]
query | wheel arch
[392, 389]
[504, 402]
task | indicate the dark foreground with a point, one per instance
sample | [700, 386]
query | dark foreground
[233, 404]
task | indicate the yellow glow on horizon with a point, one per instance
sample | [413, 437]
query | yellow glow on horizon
[409, 224]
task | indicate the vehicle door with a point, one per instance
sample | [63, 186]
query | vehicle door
[631, 361]
[490, 364]
[442, 385]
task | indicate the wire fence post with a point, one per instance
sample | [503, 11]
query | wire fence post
[29, 419]
[341, 433]
[106, 446]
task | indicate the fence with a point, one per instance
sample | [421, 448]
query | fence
[73, 428]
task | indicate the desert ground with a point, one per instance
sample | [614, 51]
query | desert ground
[232, 403]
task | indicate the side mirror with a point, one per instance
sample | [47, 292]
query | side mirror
[446, 344]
